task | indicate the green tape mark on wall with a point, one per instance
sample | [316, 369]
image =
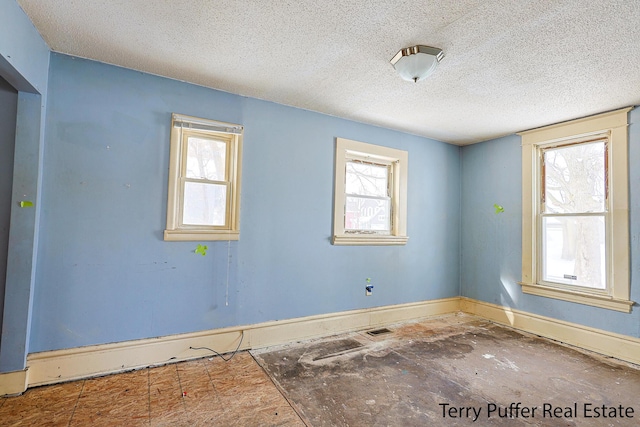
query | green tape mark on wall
[498, 208]
[202, 250]
[26, 204]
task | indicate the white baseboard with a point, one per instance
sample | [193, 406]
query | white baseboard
[13, 383]
[64, 365]
[620, 346]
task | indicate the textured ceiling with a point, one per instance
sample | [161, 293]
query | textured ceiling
[508, 66]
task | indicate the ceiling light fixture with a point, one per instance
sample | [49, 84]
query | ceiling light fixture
[416, 62]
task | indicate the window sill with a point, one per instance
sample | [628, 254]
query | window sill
[369, 240]
[200, 235]
[601, 301]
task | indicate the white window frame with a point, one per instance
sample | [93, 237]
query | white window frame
[398, 161]
[613, 127]
[181, 128]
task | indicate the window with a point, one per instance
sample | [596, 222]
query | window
[204, 180]
[575, 241]
[370, 206]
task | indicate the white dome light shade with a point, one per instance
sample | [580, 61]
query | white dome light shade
[416, 62]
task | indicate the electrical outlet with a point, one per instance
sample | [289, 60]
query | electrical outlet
[368, 290]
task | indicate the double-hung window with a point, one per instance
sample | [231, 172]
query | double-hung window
[370, 194]
[575, 211]
[204, 180]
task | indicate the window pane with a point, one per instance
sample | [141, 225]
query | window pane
[575, 178]
[366, 179]
[206, 159]
[574, 251]
[204, 204]
[367, 214]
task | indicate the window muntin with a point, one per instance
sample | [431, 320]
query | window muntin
[204, 180]
[370, 197]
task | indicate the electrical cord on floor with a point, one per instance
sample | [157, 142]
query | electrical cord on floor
[218, 354]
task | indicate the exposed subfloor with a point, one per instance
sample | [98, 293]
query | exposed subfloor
[429, 373]
[419, 374]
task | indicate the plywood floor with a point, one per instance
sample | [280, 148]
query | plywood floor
[400, 378]
[234, 393]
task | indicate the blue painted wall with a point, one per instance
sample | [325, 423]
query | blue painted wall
[492, 245]
[105, 274]
[8, 114]
[24, 64]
